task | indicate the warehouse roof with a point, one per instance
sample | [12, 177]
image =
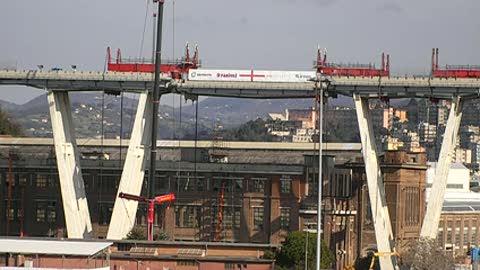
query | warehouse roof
[51, 247]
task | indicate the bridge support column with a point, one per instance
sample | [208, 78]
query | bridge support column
[435, 201]
[133, 175]
[376, 188]
[77, 216]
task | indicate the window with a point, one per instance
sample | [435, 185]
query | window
[284, 218]
[231, 216]
[51, 212]
[312, 180]
[15, 213]
[188, 216]
[200, 184]
[108, 181]
[46, 211]
[257, 185]
[238, 184]
[229, 266]
[187, 263]
[412, 212]
[42, 181]
[22, 180]
[258, 218]
[185, 183]
[141, 214]
[105, 212]
[17, 179]
[286, 184]
[40, 214]
[228, 183]
[162, 183]
[473, 240]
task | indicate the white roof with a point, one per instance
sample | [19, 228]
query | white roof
[59, 247]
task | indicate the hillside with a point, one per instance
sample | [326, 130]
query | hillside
[33, 116]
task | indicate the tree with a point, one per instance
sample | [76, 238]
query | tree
[251, 131]
[9, 126]
[426, 254]
[139, 233]
[292, 253]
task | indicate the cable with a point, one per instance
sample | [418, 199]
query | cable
[144, 29]
[121, 128]
[173, 30]
[102, 149]
[196, 138]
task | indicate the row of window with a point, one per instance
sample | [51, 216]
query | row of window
[190, 216]
[45, 211]
[183, 182]
[455, 233]
[186, 216]
[37, 180]
[337, 185]
[230, 184]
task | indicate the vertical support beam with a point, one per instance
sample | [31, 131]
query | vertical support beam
[133, 175]
[77, 216]
[435, 201]
[376, 188]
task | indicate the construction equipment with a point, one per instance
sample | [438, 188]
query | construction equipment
[173, 68]
[151, 207]
[453, 71]
[218, 226]
[372, 262]
[361, 70]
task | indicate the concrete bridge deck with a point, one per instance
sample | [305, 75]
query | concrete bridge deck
[372, 87]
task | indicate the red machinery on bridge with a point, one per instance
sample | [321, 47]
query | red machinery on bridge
[361, 70]
[174, 68]
[453, 71]
[151, 207]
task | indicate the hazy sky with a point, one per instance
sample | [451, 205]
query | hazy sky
[261, 34]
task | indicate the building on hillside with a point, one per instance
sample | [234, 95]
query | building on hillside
[308, 117]
[427, 133]
[401, 115]
[392, 115]
[463, 155]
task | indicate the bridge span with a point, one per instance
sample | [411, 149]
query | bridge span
[60, 83]
[371, 87]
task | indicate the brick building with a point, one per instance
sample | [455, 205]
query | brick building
[42, 253]
[269, 189]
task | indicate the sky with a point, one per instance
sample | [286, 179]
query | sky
[242, 34]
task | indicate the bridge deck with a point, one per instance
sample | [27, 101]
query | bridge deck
[394, 87]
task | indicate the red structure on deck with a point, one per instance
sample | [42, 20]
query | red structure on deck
[453, 71]
[174, 68]
[362, 70]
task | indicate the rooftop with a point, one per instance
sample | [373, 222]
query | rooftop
[51, 247]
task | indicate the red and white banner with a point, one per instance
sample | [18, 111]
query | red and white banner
[250, 75]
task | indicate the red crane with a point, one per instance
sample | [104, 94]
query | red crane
[361, 70]
[175, 68]
[453, 71]
[151, 207]
[218, 226]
